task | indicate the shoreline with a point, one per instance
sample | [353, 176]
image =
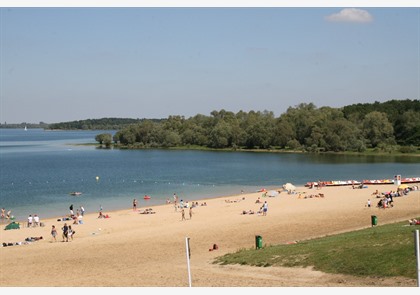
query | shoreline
[115, 251]
[140, 208]
[159, 200]
[127, 198]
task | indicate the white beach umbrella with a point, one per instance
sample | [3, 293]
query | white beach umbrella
[289, 187]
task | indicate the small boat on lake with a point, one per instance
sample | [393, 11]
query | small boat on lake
[75, 193]
[146, 197]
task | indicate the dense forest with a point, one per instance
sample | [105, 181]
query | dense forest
[390, 126]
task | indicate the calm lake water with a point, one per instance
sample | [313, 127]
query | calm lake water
[40, 168]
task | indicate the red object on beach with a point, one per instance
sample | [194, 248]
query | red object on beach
[146, 197]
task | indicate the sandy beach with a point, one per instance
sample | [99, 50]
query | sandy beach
[149, 250]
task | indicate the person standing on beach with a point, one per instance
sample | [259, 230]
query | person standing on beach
[134, 204]
[190, 212]
[30, 220]
[3, 213]
[368, 203]
[36, 220]
[265, 208]
[183, 214]
[54, 233]
[82, 210]
[71, 210]
[175, 202]
[65, 230]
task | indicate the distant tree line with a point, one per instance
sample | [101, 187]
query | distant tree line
[24, 124]
[389, 126]
[97, 124]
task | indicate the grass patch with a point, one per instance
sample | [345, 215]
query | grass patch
[382, 251]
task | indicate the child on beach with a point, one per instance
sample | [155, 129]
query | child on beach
[54, 233]
[71, 232]
[183, 214]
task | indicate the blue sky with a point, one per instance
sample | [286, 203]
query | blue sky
[64, 64]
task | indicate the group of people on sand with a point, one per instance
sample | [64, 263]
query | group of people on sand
[78, 217]
[67, 233]
[262, 211]
[386, 199]
[190, 212]
[319, 195]
[385, 203]
[102, 215]
[317, 185]
[27, 241]
[235, 201]
[147, 211]
[33, 221]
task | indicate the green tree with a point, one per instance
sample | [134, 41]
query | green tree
[283, 132]
[407, 128]
[377, 129]
[104, 138]
[220, 136]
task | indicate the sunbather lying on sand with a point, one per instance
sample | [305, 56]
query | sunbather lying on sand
[248, 212]
[414, 221]
[147, 211]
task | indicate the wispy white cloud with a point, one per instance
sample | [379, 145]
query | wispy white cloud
[352, 15]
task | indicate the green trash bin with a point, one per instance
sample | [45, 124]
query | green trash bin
[258, 242]
[374, 220]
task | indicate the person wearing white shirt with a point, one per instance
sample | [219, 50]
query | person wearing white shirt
[36, 220]
[30, 220]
